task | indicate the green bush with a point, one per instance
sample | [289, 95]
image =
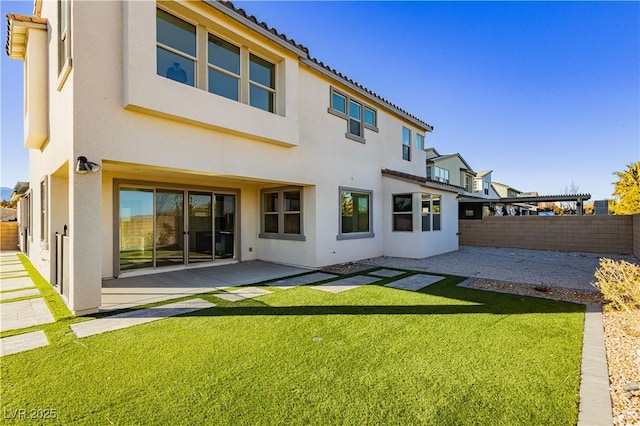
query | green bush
[619, 282]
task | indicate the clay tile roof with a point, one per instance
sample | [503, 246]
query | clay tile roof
[315, 61]
[422, 180]
[255, 20]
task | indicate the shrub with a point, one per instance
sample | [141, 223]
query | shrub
[619, 282]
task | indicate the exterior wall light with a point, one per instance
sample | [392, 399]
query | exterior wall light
[83, 166]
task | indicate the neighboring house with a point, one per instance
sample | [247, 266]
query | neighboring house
[512, 208]
[450, 168]
[22, 198]
[172, 134]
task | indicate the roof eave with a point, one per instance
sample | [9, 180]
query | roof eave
[17, 28]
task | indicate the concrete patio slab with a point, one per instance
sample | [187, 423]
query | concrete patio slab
[386, 273]
[137, 317]
[242, 293]
[134, 291]
[20, 293]
[414, 282]
[24, 313]
[302, 280]
[22, 342]
[15, 283]
[346, 284]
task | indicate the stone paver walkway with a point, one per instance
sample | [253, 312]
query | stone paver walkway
[22, 342]
[24, 313]
[414, 282]
[345, 284]
[8, 295]
[7, 284]
[242, 293]
[302, 280]
[140, 316]
[386, 273]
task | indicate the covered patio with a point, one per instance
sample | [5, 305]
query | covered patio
[128, 292]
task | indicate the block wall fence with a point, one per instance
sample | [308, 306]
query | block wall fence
[595, 234]
[8, 235]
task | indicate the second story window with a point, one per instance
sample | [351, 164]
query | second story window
[420, 141]
[441, 175]
[358, 115]
[262, 81]
[224, 68]
[406, 144]
[176, 48]
[231, 71]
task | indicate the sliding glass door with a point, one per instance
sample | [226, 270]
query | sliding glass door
[136, 228]
[200, 227]
[169, 227]
[161, 227]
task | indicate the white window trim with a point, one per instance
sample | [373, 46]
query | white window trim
[354, 235]
[431, 213]
[64, 38]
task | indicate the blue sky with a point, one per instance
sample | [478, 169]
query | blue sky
[542, 93]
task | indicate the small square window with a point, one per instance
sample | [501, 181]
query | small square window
[370, 117]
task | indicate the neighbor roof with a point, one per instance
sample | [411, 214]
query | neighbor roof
[422, 180]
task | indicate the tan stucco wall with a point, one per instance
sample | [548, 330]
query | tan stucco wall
[636, 235]
[596, 234]
[8, 235]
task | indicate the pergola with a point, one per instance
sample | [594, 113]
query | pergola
[578, 198]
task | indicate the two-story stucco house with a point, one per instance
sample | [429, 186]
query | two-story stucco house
[177, 134]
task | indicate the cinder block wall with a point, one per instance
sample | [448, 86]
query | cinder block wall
[595, 234]
[8, 235]
[636, 235]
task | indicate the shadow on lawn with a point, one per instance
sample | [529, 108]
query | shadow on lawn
[484, 303]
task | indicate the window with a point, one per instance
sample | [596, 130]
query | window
[43, 211]
[175, 48]
[406, 144]
[262, 83]
[370, 119]
[420, 141]
[485, 187]
[338, 102]
[64, 41]
[355, 214]
[178, 57]
[282, 214]
[441, 175]
[468, 183]
[403, 212]
[430, 212]
[358, 115]
[355, 118]
[224, 68]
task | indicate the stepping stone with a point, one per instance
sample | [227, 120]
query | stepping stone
[24, 313]
[15, 283]
[414, 282]
[22, 342]
[20, 293]
[303, 280]
[387, 273]
[137, 317]
[346, 284]
[242, 293]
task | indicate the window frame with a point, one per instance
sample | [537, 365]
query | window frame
[281, 212]
[44, 209]
[195, 59]
[394, 213]
[355, 234]
[347, 116]
[63, 41]
[431, 213]
[438, 174]
[406, 144]
[202, 65]
[420, 141]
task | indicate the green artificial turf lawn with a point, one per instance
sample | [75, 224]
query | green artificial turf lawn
[371, 355]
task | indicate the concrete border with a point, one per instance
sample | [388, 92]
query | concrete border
[595, 397]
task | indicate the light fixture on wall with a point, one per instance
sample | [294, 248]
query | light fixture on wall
[83, 166]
